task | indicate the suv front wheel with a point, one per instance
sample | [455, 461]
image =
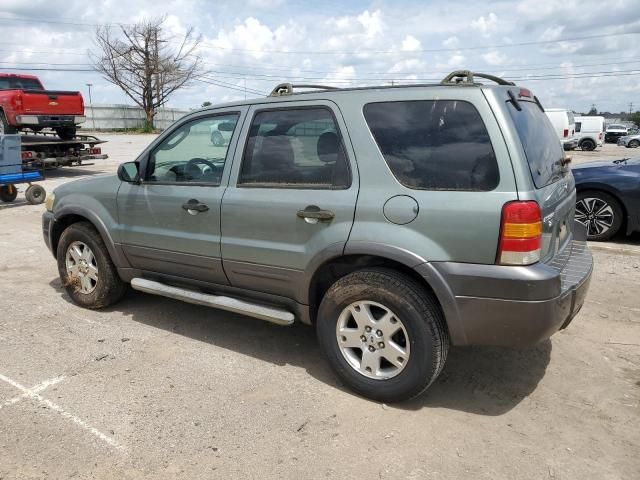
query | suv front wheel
[86, 269]
[383, 334]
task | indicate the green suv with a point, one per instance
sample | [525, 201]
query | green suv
[396, 220]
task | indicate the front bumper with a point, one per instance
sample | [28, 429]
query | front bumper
[516, 306]
[47, 228]
[570, 144]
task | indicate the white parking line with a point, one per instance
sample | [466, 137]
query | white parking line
[36, 389]
[31, 393]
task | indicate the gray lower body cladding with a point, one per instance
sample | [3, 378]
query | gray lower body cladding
[514, 306]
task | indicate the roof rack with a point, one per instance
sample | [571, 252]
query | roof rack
[287, 88]
[466, 77]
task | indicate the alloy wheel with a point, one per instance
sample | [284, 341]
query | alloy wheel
[373, 340]
[596, 214]
[82, 267]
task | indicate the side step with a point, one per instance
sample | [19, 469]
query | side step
[269, 314]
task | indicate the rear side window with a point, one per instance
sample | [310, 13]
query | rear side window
[294, 148]
[19, 83]
[434, 145]
[540, 143]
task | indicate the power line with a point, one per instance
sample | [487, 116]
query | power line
[73, 22]
[239, 89]
[392, 75]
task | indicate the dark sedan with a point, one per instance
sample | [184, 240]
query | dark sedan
[608, 197]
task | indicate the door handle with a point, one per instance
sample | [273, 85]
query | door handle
[314, 214]
[193, 207]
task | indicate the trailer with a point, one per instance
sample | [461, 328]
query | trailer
[47, 150]
[13, 172]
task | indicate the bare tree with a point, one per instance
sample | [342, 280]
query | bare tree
[146, 63]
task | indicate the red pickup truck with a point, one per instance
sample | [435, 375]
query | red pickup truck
[24, 103]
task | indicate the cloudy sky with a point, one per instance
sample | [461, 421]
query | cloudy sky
[571, 53]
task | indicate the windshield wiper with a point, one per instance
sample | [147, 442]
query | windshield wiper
[621, 160]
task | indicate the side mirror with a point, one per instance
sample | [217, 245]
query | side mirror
[226, 126]
[129, 172]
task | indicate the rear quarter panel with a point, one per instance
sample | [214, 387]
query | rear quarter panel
[450, 225]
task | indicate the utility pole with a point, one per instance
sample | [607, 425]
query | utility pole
[630, 107]
[93, 118]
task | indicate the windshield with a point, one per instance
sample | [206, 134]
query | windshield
[540, 143]
[19, 83]
[618, 127]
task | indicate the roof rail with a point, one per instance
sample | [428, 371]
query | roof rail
[287, 88]
[466, 77]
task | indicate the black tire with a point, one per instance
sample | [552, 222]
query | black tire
[617, 214]
[66, 133]
[5, 128]
[588, 145]
[420, 315]
[634, 144]
[35, 194]
[8, 193]
[217, 139]
[109, 288]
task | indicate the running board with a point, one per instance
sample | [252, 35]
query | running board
[261, 312]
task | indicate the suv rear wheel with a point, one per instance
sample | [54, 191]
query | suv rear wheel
[85, 268]
[383, 334]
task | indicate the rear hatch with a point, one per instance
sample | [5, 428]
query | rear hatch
[553, 181]
[52, 102]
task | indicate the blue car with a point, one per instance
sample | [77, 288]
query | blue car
[608, 197]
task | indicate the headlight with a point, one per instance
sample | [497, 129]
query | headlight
[49, 203]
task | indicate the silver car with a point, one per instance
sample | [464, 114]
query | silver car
[630, 141]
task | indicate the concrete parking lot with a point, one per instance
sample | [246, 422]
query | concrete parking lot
[155, 388]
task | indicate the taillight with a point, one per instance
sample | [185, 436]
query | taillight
[95, 151]
[520, 233]
[600, 136]
[26, 155]
[566, 132]
[17, 102]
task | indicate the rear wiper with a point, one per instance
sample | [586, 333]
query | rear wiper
[621, 160]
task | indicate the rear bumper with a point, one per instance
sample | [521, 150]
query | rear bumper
[516, 306]
[570, 144]
[50, 121]
[613, 137]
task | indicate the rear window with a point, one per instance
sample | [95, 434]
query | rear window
[17, 83]
[571, 117]
[434, 145]
[540, 143]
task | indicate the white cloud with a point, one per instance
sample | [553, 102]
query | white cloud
[451, 42]
[486, 26]
[552, 33]
[372, 22]
[456, 60]
[410, 44]
[494, 58]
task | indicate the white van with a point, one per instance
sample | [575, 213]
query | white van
[589, 132]
[564, 124]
